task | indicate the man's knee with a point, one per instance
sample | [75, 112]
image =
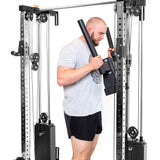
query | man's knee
[81, 149]
[85, 156]
[82, 156]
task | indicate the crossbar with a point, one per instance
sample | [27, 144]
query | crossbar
[80, 5]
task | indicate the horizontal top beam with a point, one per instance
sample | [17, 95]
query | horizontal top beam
[80, 5]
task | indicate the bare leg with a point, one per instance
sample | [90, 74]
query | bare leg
[82, 150]
[94, 143]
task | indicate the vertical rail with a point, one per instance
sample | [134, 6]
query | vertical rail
[115, 95]
[119, 110]
[25, 88]
[48, 62]
[128, 64]
[124, 106]
[140, 76]
[31, 82]
[39, 70]
[22, 87]
[28, 84]
[122, 81]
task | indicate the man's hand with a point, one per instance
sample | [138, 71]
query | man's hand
[109, 51]
[96, 62]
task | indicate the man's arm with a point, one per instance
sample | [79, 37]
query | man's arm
[67, 75]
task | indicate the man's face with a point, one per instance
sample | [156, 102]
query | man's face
[98, 33]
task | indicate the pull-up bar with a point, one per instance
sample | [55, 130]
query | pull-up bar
[81, 5]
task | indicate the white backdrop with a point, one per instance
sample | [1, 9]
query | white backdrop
[68, 29]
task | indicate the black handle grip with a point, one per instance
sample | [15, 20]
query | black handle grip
[56, 19]
[110, 43]
[89, 42]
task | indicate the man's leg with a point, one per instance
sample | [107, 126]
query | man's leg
[82, 150]
[94, 143]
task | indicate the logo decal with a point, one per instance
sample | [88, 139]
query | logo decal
[96, 76]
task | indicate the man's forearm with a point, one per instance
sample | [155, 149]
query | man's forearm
[67, 75]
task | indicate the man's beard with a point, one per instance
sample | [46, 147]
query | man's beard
[95, 41]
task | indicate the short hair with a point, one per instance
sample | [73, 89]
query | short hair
[94, 21]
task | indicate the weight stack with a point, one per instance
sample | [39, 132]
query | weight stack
[136, 150]
[45, 142]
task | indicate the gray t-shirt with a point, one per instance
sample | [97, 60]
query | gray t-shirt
[83, 97]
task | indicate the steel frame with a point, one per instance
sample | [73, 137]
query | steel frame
[124, 13]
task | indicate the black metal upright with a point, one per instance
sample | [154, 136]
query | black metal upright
[128, 147]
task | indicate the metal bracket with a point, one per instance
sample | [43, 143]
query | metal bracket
[34, 60]
[20, 49]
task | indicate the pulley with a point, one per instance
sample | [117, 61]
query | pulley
[42, 18]
[44, 117]
[133, 132]
[29, 16]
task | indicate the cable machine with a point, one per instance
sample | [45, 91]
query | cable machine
[44, 130]
[116, 76]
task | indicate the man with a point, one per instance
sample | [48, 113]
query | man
[78, 73]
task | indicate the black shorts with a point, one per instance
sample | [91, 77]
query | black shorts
[84, 128]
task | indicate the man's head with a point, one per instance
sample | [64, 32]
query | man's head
[96, 28]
